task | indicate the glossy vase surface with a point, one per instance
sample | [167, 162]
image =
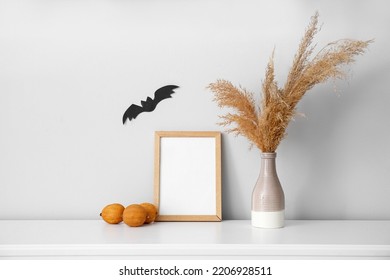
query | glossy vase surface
[268, 196]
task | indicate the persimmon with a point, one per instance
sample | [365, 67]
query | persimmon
[152, 212]
[112, 213]
[134, 215]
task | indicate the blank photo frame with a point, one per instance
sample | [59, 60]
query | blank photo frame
[187, 177]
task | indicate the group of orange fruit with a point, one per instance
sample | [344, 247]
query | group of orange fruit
[134, 215]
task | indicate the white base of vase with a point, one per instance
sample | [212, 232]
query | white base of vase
[268, 219]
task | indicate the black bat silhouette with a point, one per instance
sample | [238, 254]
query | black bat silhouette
[149, 104]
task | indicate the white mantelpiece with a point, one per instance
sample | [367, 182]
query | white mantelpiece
[233, 239]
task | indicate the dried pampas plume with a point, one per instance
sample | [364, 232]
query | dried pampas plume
[265, 125]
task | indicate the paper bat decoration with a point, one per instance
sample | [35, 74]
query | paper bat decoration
[149, 104]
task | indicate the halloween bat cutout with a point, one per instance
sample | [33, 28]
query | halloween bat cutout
[149, 104]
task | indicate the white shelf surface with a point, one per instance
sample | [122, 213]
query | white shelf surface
[231, 239]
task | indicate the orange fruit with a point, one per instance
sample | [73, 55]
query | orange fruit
[112, 213]
[134, 215]
[152, 212]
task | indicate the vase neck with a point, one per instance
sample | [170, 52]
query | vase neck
[268, 166]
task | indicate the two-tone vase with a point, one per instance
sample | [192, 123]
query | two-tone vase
[268, 196]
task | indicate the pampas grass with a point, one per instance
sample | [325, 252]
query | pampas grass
[264, 125]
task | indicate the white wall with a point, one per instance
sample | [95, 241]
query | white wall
[69, 69]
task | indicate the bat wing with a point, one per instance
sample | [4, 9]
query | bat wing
[132, 112]
[163, 93]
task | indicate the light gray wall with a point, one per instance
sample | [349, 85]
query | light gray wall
[69, 69]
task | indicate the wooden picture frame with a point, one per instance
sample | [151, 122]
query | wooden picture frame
[187, 176]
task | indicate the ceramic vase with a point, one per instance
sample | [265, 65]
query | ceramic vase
[268, 196]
